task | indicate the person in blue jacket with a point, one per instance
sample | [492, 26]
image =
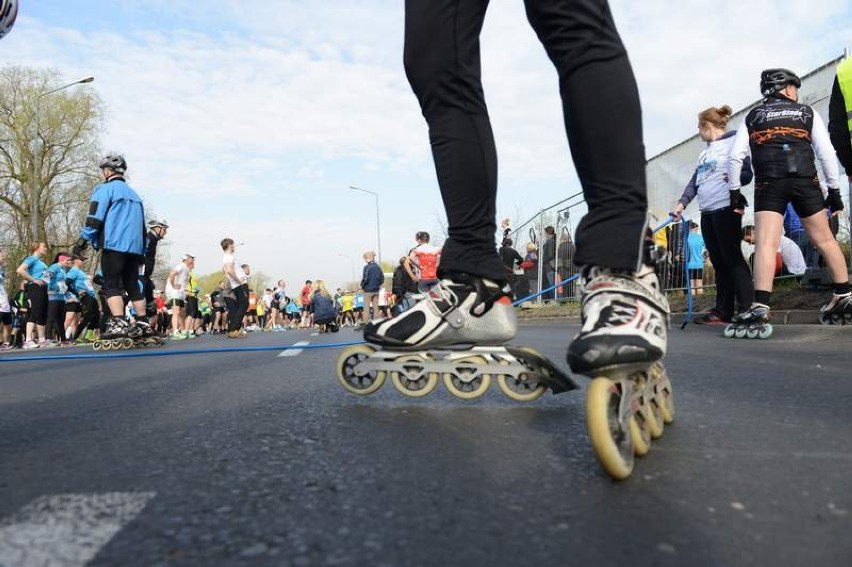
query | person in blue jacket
[371, 282]
[57, 287]
[116, 226]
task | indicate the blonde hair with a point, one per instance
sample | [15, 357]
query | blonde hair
[717, 116]
[36, 245]
[319, 286]
[531, 247]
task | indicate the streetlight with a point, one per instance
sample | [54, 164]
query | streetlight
[378, 234]
[36, 154]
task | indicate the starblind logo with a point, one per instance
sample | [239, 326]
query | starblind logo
[768, 114]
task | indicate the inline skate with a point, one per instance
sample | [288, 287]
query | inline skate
[120, 336]
[455, 332]
[621, 342]
[750, 324]
[838, 311]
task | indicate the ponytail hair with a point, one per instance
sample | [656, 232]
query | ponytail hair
[717, 116]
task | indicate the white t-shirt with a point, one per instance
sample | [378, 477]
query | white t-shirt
[791, 256]
[229, 260]
[178, 291]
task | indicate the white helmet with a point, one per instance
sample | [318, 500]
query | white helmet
[8, 13]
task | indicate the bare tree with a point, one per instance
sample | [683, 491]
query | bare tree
[62, 154]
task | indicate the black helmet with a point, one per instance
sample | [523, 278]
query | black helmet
[774, 80]
[114, 162]
[8, 13]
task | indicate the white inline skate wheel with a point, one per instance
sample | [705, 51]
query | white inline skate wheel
[97, 345]
[740, 333]
[415, 382]
[468, 382]
[728, 333]
[358, 384]
[765, 332]
[751, 333]
[611, 439]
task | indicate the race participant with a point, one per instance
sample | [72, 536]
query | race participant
[57, 288]
[5, 307]
[783, 137]
[85, 308]
[237, 297]
[305, 296]
[116, 226]
[176, 287]
[720, 224]
[193, 314]
[20, 314]
[34, 271]
[347, 315]
[157, 230]
[789, 254]
[423, 261]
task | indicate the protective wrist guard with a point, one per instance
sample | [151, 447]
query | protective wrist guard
[738, 200]
[833, 201]
[79, 246]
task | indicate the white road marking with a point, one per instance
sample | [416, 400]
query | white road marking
[314, 334]
[66, 530]
[294, 351]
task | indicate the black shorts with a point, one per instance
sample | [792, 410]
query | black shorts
[121, 274]
[6, 318]
[804, 194]
[696, 274]
[73, 307]
[175, 303]
[192, 307]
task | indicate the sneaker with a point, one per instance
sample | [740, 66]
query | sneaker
[464, 310]
[235, 335]
[178, 336]
[6, 346]
[30, 344]
[712, 317]
[625, 320]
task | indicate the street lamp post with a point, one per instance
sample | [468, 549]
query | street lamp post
[37, 154]
[378, 233]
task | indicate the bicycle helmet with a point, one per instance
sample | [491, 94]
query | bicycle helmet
[774, 80]
[157, 223]
[114, 162]
[8, 13]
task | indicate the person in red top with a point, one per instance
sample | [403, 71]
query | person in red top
[307, 319]
[422, 262]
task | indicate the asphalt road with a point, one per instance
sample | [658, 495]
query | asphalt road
[254, 458]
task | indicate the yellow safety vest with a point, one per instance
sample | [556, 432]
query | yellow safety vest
[844, 79]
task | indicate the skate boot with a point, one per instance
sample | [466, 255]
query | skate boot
[750, 324]
[455, 330]
[115, 336]
[621, 342]
[838, 311]
[143, 335]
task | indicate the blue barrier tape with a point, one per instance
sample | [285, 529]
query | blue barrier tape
[140, 353]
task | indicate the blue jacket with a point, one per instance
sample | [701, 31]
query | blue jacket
[116, 219]
[57, 286]
[373, 278]
[324, 311]
[79, 282]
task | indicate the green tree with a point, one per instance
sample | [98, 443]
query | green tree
[63, 154]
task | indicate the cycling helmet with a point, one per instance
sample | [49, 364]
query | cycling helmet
[8, 13]
[114, 162]
[774, 80]
[157, 223]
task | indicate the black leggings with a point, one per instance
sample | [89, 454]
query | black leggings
[722, 231]
[600, 104]
[37, 302]
[237, 307]
[55, 320]
[91, 314]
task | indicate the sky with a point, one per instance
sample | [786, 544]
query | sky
[252, 119]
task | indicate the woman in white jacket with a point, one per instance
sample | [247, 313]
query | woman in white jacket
[721, 226]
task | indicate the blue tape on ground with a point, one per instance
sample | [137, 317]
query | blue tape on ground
[142, 352]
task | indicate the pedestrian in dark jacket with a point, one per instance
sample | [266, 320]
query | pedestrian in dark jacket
[371, 283]
[402, 287]
[325, 313]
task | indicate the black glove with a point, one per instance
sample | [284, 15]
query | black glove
[833, 201]
[98, 280]
[79, 246]
[738, 201]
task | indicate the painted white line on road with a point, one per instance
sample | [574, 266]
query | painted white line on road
[66, 530]
[294, 351]
[314, 334]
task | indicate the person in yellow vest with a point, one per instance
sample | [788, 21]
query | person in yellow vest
[840, 115]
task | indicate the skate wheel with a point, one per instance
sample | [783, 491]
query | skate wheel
[663, 392]
[751, 333]
[97, 345]
[641, 438]
[612, 444]
[526, 387]
[765, 332]
[127, 343]
[740, 333]
[653, 416]
[728, 333]
[825, 319]
[468, 382]
[358, 384]
[415, 382]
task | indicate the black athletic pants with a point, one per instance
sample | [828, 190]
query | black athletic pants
[600, 104]
[722, 231]
[37, 303]
[55, 328]
[237, 307]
